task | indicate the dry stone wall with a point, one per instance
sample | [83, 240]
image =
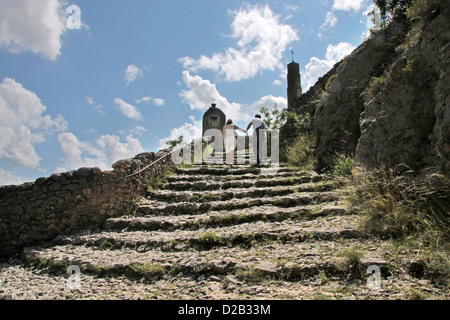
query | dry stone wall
[68, 202]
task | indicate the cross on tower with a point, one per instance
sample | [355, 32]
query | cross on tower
[292, 52]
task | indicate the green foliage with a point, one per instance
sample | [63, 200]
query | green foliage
[274, 118]
[352, 258]
[295, 129]
[399, 205]
[330, 81]
[148, 269]
[210, 239]
[301, 153]
[376, 84]
[343, 166]
[174, 143]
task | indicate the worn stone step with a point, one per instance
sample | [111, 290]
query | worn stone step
[223, 218]
[321, 228]
[247, 176]
[238, 190]
[155, 207]
[224, 170]
[241, 183]
[290, 261]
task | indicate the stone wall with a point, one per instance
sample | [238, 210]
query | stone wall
[69, 202]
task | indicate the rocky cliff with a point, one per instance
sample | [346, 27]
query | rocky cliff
[387, 104]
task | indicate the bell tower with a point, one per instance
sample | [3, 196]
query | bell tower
[294, 87]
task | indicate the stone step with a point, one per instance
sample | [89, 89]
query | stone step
[218, 170]
[158, 208]
[240, 183]
[247, 176]
[321, 228]
[223, 218]
[289, 261]
[237, 190]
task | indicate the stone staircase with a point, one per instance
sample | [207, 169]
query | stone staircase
[211, 232]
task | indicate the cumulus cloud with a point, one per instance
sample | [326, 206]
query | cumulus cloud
[316, 67]
[348, 5]
[108, 149]
[200, 92]
[330, 21]
[189, 132]
[127, 109]
[23, 123]
[261, 40]
[132, 73]
[30, 26]
[10, 178]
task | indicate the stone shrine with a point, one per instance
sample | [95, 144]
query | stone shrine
[214, 118]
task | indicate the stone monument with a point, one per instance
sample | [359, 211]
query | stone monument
[214, 118]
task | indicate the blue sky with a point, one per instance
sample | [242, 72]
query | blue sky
[119, 77]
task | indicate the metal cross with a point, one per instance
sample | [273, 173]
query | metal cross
[292, 52]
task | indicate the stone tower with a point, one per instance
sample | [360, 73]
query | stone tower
[214, 118]
[294, 87]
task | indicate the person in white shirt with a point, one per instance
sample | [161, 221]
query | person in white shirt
[229, 138]
[258, 136]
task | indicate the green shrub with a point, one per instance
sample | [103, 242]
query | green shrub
[376, 84]
[301, 153]
[330, 81]
[210, 238]
[342, 166]
[351, 262]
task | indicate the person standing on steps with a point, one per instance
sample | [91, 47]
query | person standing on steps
[259, 127]
[229, 139]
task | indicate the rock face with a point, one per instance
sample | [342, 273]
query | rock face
[388, 102]
[337, 117]
[408, 121]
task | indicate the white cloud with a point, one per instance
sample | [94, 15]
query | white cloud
[200, 92]
[330, 21]
[348, 5]
[138, 130]
[108, 150]
[156, 101]
[187, 130]
[127, 109]
[159, 102]
[97, 107]
[132, 73]
[10, 178]
[23, 124]
[316, 67]
[261, 43]
[28, 25]
[114, 150]
[277, 82]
